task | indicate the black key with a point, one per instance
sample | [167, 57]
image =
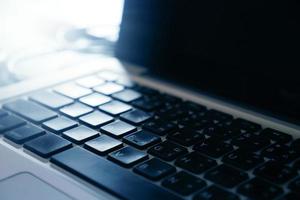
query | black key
[251, 142]
[295, 185]
[90, 81]
[245, 125]
[2, 113]
[76, 110]
[142, 139]
[127, 156]
[154, 169]
[94, 169]
[276, 136]
[80, 134]
[226, 176]
[276, 172]
[30, 110]
[167, 151]
[127, 95]
[215, 150]
[280, 152]
[96, 119]
[118, 129]
[135, 117]
[243, 160]
[214, 193]
[103, 145]
[186, 137]
[50, 99]
[290, 196]
[194, 106]
[59, 124]
[218, 116]
[147, 104]
[195, 162]
[47, 145]
[115, 107]
[146, 90]
[24, 133]
[109, 88]
[95, 99]
[219, 133]
[160, 127]
[259, 189]
[183, 183]
[72, 90]
[9, 122]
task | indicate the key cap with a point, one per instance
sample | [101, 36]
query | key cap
[109, 76]
[127, 156]
[24, 133]
[281, 153]
[183, 183]
[10, 122]
[72, 90]
[76, 110]
[259, 189]
[109, 88]
[186, 137]
[295, 185]
[167, 151]
[275, 172]
[127, 95]
[95, 99]
[218, 116]
[214, 150]
[118, 129]
[94, 169]
[146, 90]
[147, 104]
[160, 127]
[276, 136]
[30, 110]
[243, 160]
[251, 142]
[125, 82]
[226, 176]
[142, 139]
[90, 81]
[2, 113]
[50, 99]
[214, 193]
[47, 145]
[245, 125]
[80, 134]
[115, 107]
[59, 124]
[96, 119]
[154, 169]
[135, 117]
[219, 133]
[195, 163]
[103, 145]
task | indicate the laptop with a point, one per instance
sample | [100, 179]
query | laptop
[201, 102]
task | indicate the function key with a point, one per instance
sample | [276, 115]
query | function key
[160, 127]
[280, 152]
[95, 99]
[10, 122]
[127, 95]
[259, 189]
[215, 150]
[80, 134]
[142, 139]
[226, 176]
[154, 169]
[103, 145]
[183, 183]
[126, 82]
[276, 136]
[135, 117]
[245, 125]
[90, 81]
[218, 116]
[24, 133]
[167, 151]
[115, 107]
[76, 110]
[146, 90]
[50, 99]
[251, 142]
[118, 129]
[214, 193]
[47, 145]
[72, 90]
[186, 137]
[96, 119]
[109, 88]
[59, 124]
[275, 172]
[195, 162]
[127, 156]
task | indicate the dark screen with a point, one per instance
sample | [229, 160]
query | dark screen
[243, 51]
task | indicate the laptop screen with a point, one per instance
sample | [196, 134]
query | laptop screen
[243, 51]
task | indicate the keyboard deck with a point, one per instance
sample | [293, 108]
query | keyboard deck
[138, 143]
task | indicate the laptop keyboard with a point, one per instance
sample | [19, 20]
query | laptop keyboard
[139, 143]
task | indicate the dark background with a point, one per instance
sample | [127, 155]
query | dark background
[246, 52]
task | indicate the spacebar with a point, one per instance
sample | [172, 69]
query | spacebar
[109, 176]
